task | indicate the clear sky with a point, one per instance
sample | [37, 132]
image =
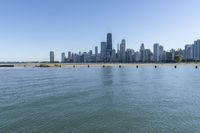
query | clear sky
[29, 29]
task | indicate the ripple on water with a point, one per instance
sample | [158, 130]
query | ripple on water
[100, 100]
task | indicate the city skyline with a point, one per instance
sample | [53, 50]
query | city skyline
[123, 54]
[30, 29]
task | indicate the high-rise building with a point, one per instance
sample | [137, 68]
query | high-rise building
[196, 50]
[129, 55]
[169, 57]
[161, 53]
[123, 51]
[85, 57]
[109, 47]
[51, 57]
[75, 57]
[96, 54]
[96, 51]
[90, 53]
[118, 53]
[137, 56]
[103, 51]
[109, 41]
[63, 57]
[69, 56]
[113, 57]
[156, 52]
[147, 55]
[189, 52]
[161, 48]
[142, 53]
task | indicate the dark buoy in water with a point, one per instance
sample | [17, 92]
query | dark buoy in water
[137, 66]
[24, 65]
[88, 66]
[175, 67]
[103, 66]
[120, 66]
[155, 66]
[73, 66]
[196, 67]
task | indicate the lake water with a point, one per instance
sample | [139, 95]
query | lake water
[100, 100]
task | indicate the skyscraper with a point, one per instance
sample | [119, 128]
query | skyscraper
[161, 53]
[113, 57]
[123, 51]
[129, 55]
[109, 41]
[189, 52]
[142, 53]
[51, 57]
[90, 53]
[103, 50]
[137, 56]
[63, 57]
[69, 56]
[156, 52]
[109, 47]
[118, 53]
[197, 43]
[96, 51]
[96, 54]
[147, 55]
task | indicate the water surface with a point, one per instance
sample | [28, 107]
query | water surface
[100, 100]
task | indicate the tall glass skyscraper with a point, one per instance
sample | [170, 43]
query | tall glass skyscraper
[156, 52]
[123, 51]
[109, 41]
[142, 53]
[109, 46]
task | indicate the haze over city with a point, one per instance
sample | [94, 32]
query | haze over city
[30, 29]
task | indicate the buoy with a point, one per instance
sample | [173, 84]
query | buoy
[137, 66]
[103, 66]
[120, 66]
[196, 67]
[88, 66]
[73, 66]
[155, 66]
[175, 66]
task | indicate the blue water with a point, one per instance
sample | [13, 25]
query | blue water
[100, 100]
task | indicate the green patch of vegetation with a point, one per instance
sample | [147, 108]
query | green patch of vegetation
[178, 58]
[44, 65]
[57, 65]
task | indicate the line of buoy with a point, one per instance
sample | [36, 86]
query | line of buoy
[196, 67]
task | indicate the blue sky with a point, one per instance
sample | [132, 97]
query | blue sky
[29, 29]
